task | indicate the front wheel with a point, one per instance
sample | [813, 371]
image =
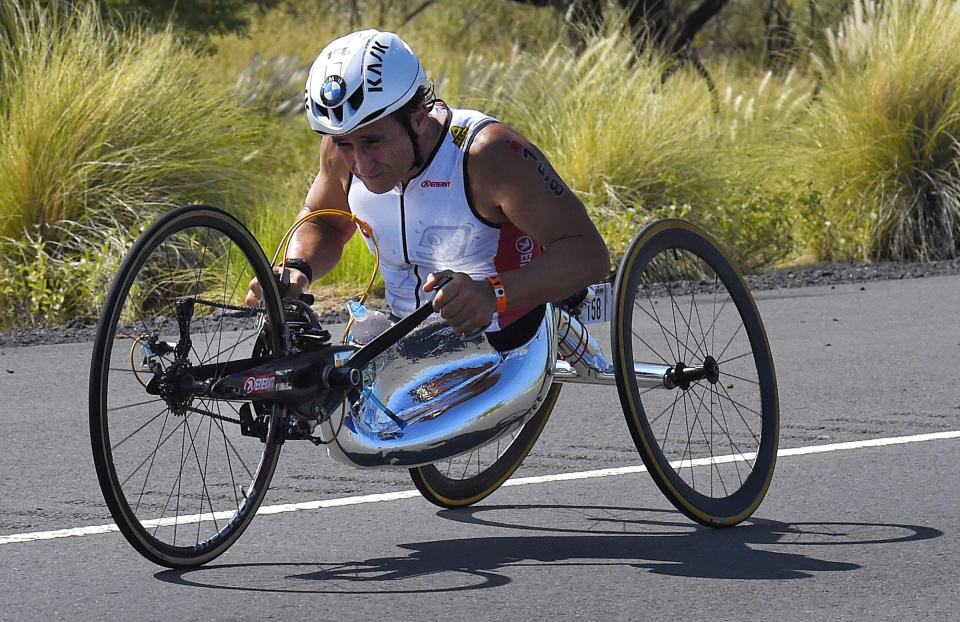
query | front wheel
[181, 480]
[708, 433]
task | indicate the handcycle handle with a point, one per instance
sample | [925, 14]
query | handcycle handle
[395, 333]
[283, 283]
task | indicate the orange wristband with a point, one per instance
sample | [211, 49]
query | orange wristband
[500, 293]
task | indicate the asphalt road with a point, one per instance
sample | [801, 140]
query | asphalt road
[859, 524]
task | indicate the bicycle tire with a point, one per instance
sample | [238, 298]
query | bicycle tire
[181, 482]
[727, 422]
[447, 483]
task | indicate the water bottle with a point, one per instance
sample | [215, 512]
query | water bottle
[367, 323]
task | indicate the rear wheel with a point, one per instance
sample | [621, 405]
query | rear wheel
[710, 441]
[181, 481]
[466, 479]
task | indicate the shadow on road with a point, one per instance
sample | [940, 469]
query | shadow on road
[579, 536]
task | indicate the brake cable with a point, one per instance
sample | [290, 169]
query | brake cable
[365, 229]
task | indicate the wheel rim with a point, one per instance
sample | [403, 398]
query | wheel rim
[466, 479]
[712, 438]
[180, 473]
[470, 466]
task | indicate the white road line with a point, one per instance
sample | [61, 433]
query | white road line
[521, 481]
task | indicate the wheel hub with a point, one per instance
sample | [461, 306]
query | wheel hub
[682, 376]
[712, 369]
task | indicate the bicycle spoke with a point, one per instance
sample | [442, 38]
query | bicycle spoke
[656, 320]
[734, 358]
[139, 429]
[727, 374]
[229, 443]
[161, 441]
[134, 405]
[668, 336]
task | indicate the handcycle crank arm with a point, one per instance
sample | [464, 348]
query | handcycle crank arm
[395, 333]
[211, 371]
[287, 380]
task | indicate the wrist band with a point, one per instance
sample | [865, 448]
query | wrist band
[300, 264]
[500, 293]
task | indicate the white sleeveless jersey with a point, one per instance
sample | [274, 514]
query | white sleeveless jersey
[431, 225]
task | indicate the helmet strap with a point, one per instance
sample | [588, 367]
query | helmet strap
[417, 155]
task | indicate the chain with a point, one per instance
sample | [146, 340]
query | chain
[207, 413]
[221, 305]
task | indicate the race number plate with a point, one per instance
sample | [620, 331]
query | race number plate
[598, 310]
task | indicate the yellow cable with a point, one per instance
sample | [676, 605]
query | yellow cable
[343, 416]
[133, 365]
[365, 229]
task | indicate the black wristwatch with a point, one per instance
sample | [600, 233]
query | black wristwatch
[298, 263]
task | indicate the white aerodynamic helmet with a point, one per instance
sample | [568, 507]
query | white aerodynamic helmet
[360, 78]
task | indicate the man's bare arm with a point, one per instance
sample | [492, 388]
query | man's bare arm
[511, 181]
[320, 240]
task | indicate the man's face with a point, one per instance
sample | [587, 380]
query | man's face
[380, 154]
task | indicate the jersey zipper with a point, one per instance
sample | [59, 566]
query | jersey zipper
[406, 254]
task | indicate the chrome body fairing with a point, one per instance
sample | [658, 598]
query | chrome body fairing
[451, 394]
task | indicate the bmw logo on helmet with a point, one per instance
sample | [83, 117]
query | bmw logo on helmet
[333, 91]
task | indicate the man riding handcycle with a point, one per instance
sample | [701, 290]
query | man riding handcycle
[467, 220]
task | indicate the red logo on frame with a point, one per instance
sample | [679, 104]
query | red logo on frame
[259, 384]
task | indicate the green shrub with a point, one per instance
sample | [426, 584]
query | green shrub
[881, 143]
[100, 132]
[635, 147]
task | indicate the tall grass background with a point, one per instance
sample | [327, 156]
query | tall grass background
[881, 146]
[99, 133]
[636, 147]
[849, 151]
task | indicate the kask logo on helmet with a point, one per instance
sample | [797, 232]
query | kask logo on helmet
[377, 50]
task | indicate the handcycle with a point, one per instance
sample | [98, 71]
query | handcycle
[192, 396]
